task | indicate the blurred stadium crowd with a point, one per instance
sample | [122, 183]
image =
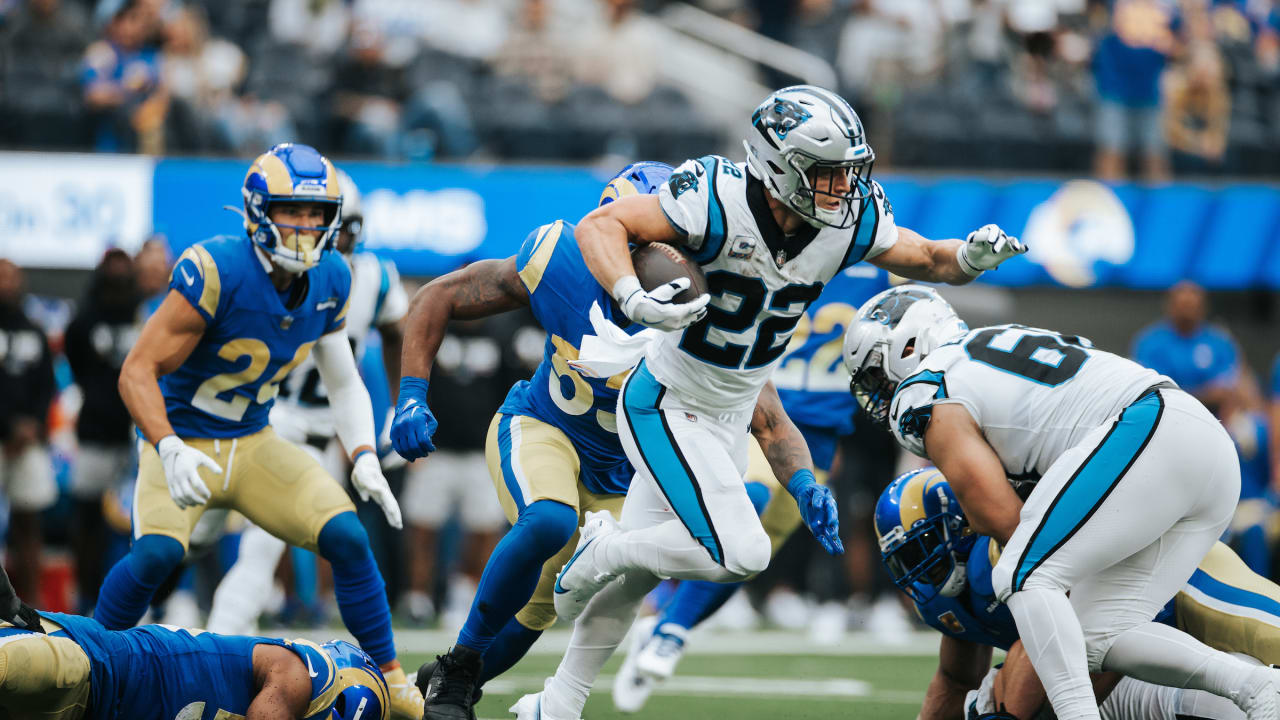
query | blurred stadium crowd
[1175, 86]
[68, 465]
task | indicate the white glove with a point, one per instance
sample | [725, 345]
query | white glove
[367, 479]
[182, 471]
[985, 248]
[654, 308]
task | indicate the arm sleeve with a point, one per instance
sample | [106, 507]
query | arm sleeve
[195, 277]
[395, 301]
[348, 397]
[692, 207]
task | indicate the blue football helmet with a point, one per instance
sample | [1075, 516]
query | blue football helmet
[642, 178]
[291, 172]
[363, 693]
[924, 536]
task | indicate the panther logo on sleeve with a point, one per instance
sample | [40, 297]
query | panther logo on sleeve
[682, 181]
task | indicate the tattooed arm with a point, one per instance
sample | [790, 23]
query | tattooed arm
[481, 289]
[783, 445]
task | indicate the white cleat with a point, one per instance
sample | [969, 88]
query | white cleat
[1265, 703]
[529, 707]
[631, 689]
[660, 655]
[581, 578]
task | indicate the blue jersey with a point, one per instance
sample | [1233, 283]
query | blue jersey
[811, 379]
[561, 293]
[159, 672]
[975, 615]
[226, 387]
[1206, 359]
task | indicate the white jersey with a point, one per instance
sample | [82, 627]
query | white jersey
[760, 282]
[1035, 393]
[377, 298]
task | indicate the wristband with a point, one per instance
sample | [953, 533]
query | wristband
[802, 478]
[963, 261]
[412, 388]
[626, 286]
[363, 449]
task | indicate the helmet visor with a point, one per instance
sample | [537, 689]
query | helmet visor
[832, 189]
[873, 389]
[922, 558]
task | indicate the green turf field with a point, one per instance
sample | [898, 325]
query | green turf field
[733, 685]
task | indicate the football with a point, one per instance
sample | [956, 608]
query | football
[658, 263]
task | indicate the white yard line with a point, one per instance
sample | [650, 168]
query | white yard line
[766, 642]
[732, 687]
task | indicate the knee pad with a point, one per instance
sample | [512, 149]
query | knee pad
[537, 615]
[154, 557]
[343, 540]
[759, 495]
[750, 555]
[547, 525]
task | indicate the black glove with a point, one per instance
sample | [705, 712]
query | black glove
[13, 610]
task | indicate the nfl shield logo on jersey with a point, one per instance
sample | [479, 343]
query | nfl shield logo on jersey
[743, 247]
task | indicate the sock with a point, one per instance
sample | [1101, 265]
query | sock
[129, 586]
[362, 596]
[513, 570]
[507, 649]
[1167, 656]
[245, 589]
[697, 600]
[596, 634]
[1054, 641]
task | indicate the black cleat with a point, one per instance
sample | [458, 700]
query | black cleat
[449, 685]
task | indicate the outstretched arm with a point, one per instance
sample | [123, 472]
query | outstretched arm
[481, 289]
[961, 667]
[951, 261]
[283, 686]
[783, 445]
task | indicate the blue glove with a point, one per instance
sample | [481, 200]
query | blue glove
[817, 509]
[413, 426]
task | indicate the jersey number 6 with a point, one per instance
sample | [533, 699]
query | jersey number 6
[1036, 355]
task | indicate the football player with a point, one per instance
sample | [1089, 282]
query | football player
[1128, 482]
[813, 388]
[945, 568]
[67, 667]
[302, 414]
[770, 234]
[240, 314]
[553, 449]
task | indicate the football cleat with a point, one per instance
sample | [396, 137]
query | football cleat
[1264, 703]
[449, 684]
[660, 655]
[529, 707]
[631, 689]
[581, 578]
[406, 701]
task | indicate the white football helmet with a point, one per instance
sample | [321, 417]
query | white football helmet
[352, 220]
[798, 129]
[893, 333]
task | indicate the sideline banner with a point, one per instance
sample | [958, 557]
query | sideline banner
[65, 210]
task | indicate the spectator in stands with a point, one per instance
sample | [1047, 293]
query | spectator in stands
[535, 52]
[202, 75]
[121, 81]
[889, 41]
[369, 93]
[1198, 111]
[1202, 358]
[318, 26]
[41, 45]
[27, 387]
[1127, 66]
[474, 29]
[151, 266]
[629, 77]
[97, 341]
